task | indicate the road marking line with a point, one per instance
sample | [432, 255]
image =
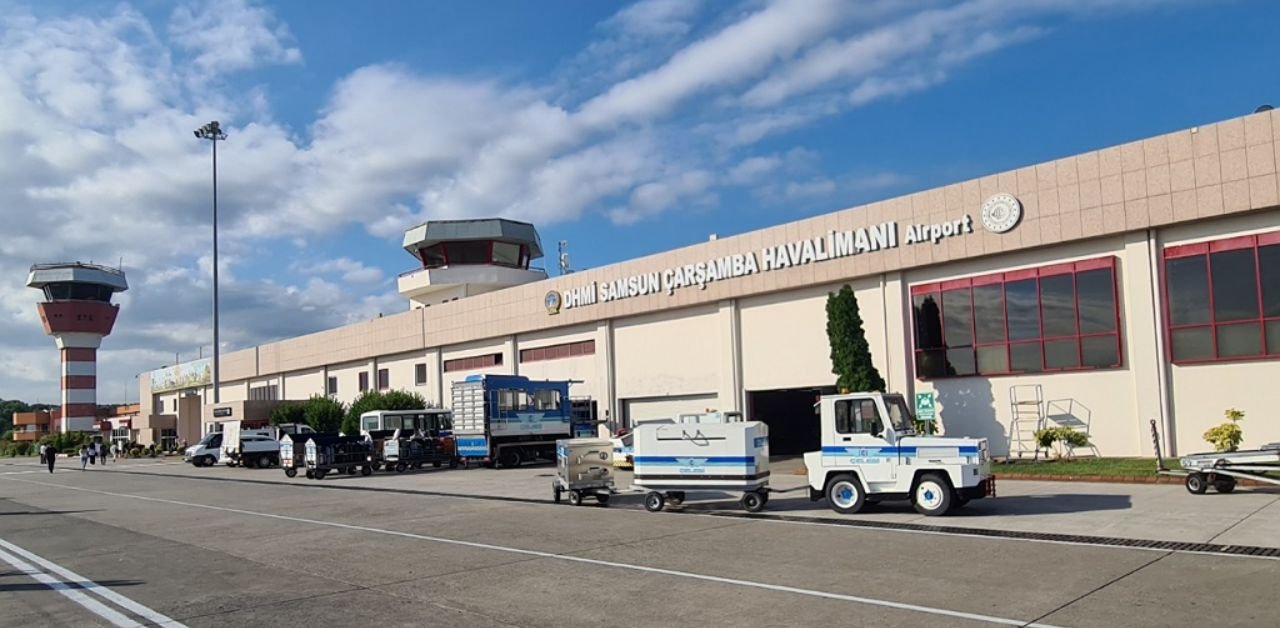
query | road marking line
[577, 559]
[70, 592]
[93, 587]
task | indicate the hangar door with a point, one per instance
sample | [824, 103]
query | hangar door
[649, 408]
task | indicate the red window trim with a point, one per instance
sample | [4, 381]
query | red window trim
[1073, 268]
[484, 361]
[1206, 249]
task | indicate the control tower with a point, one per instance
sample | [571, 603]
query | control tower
[77, 312]
[461, 258]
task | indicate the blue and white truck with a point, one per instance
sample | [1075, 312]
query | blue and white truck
[506, 420]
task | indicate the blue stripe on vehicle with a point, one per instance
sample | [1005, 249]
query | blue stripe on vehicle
[890, 451]
[700, 460]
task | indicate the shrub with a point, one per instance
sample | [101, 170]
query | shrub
[288, 413]
[1227, 436]
[1063, 437]
[323, 414]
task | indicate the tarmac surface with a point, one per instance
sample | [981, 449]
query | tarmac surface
[161, 543]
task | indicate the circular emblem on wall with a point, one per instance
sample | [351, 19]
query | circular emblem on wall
[1001, 213]
[552, 301]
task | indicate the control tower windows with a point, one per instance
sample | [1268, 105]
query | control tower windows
[77, 292]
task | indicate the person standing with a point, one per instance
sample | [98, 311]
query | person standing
[115, 451]
[93, 453]
[43, 447]
[50, 454]
[84, 457]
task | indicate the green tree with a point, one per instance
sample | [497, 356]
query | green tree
[288, 413]
[371, 400]
[850, 354]
[324, 414]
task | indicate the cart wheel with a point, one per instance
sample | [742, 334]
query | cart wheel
[603, 498]
[1197, 484]
[675, 498]
[752, 502]
[509, 459]
[311, 475]
[290, 472]
[556, 493]
[575, 498]
[351, 470]
[400, 467]
[319, 474]
[366, 470]
[654, 501]
[1224, 484]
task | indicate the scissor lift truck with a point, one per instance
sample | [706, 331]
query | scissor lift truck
[870, 453]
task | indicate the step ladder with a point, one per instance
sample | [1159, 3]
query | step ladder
[1026, 417]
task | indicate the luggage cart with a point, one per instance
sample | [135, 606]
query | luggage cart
[672, 460]
[293, 452]
[584, 468]
[347, 454]
[1222, 469]
[399, 453]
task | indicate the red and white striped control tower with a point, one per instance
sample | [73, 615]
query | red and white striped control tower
[77, 312]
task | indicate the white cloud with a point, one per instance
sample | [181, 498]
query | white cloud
[229, 35]
[352, 271]
[655, 18]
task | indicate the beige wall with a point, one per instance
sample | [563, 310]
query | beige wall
[349, 379]
[591, 370]
[400, 371]
[670, 353]
[303, 384]
[505, 346]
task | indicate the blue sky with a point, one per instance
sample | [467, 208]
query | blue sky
[626, 128]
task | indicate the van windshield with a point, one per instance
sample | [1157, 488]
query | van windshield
[899, 414]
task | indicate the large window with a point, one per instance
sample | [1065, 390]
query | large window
[1053, 318]
[1222, 299]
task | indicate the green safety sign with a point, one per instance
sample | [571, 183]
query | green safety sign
[925, 408]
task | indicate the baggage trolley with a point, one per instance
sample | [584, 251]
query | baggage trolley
[1222, 469]
[672, 460]
[347, 454]
[584, 468]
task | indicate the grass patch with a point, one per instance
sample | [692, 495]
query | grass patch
[1107, 467]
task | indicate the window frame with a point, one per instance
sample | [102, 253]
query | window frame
[577, 349]
[420, 374]
[331, 385]
[1073, 269]
[384, 379]
[363, 379]
[1252, 242]
[475, 362]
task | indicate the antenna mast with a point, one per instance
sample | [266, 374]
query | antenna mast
[564, 257]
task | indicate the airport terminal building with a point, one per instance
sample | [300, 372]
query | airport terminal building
[1102, 290]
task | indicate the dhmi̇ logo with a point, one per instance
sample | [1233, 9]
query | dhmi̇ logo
[552, 301]
[692, 465]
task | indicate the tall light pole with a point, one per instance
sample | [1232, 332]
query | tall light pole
[213, 133]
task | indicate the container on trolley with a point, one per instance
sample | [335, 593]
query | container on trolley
[674, 459]
[584, 468]
[341, 454]
[293, 451]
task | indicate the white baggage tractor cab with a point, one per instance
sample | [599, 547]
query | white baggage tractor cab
[870, 453]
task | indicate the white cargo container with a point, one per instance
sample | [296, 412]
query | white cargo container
[673, 459]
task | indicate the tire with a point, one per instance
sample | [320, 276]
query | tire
[319, 474]
[509, 458]
[654, 501]
[400, 467]
[575, 498]
[1197, 484]
[603, 498]
[1225, 484]
[366, 470]
[845, 494]
[311, 475]
[209, 461]
[290, 473]
[675, 498]
[351, 470]
[932, 495]
[752, 502]
[264, 462]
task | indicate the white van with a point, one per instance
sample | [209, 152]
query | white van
[205, 452]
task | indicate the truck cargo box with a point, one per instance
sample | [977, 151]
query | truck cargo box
[707, 456]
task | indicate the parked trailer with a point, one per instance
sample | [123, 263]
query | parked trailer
[338, 453]
[1222, 469]
[506, 420]
[673, 459]
[293, 451]
[584, 468]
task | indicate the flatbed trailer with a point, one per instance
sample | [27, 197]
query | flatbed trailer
[1222, 469]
